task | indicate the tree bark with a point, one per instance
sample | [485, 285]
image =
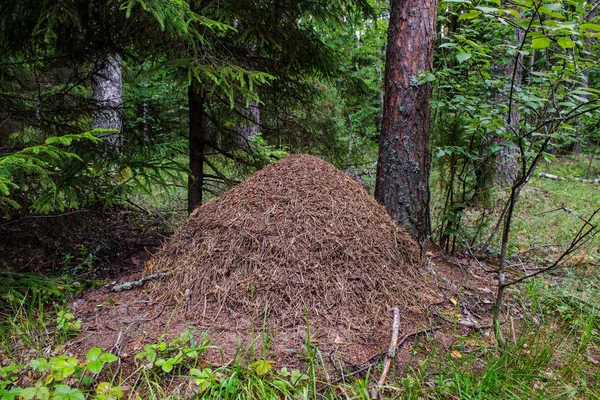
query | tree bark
[590, 16]
[107, 94]
[403, 168]
[146, 126]
[251, 126]
[198, 126]
[506, 160]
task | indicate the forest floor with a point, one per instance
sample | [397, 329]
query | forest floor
[552, 323]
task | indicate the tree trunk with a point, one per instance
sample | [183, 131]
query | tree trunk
[506, 160]
[198, 125]
[251, 126]
[107, 94]
[403, 167]
[146, 128]
[590, 16]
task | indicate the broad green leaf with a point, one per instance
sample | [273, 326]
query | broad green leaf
[40, 364]
[95, 367]
[462, 57]
[566, 43]
[64, 392]
[487, 10]
[541, 42]
[551, 10]
[593, 27]
[93, 354]
[470, 15]
[108, 357]
[28, 393]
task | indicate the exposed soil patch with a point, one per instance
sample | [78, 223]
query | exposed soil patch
[297, 244]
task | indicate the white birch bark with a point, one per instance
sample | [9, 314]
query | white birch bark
[107, 94]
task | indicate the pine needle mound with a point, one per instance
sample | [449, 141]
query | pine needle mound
[296, 237]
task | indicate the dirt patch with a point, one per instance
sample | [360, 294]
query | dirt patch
[296, 245]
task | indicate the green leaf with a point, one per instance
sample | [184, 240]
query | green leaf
[262, 367]
[470, 15]
[28, 393]
[108, 357]
[552, 10]
[93, 354]
[106, 391]
[462, 57]
[167, 367]
[64, 392]
[593, 27]
[541, 42]
[487, 10]
[40, 364]
[566, 43]
[95, 367]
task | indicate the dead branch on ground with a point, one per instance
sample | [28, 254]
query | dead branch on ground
[390, 355]
[138, 283]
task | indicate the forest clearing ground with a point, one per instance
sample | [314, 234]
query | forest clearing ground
[553, 329]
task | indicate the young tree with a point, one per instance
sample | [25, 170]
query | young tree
[403, 167]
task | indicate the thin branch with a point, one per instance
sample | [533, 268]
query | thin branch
[580, 239]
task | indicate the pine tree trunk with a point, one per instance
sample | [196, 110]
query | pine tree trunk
[107, 94]
[403, 167]
[198, 126]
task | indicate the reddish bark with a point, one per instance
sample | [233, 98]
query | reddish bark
[403, 167]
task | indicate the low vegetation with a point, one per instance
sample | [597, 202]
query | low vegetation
[553, 334]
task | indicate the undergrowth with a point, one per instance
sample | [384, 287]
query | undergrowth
[553, 326]
[554, 354]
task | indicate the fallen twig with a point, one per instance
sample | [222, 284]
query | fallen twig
[116, 349]
[138, 283]
[373, 361]
[560, 178]
[390, 355]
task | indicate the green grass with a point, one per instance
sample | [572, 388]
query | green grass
[540, 230]
[555, 355]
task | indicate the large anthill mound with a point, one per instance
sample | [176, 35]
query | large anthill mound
[298, 238]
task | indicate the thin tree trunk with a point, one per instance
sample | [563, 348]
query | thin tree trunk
[198, 126]
[250, 127]
[403, 167]
[506, 160]
[591, 15]
[592, 156]
[107, 94]
[146, 127]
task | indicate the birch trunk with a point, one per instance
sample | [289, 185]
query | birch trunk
[107, 94]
